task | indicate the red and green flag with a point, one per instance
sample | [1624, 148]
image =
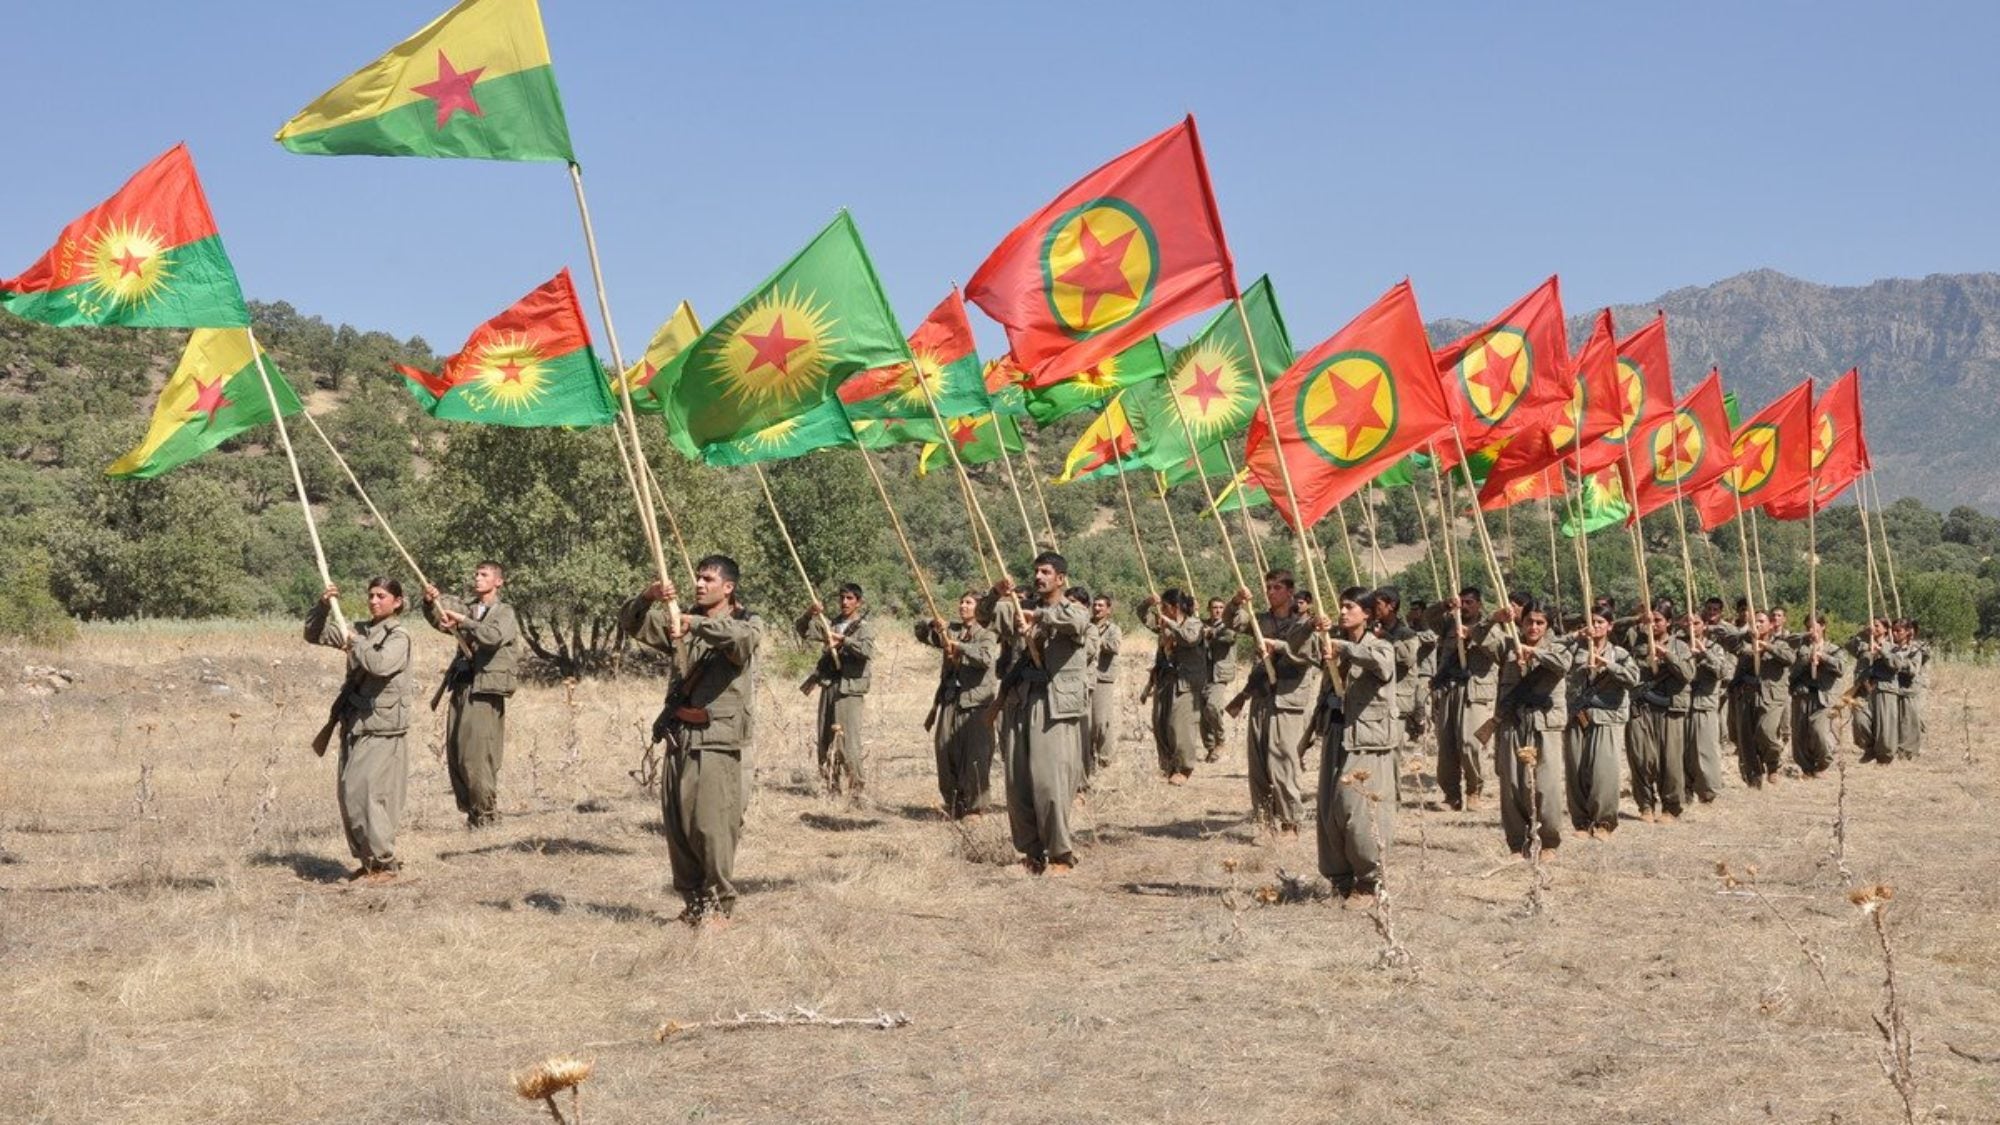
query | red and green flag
[1129, 249]
[148, 257]
[1095, 385]
[1558, 435]
[215, 394]
[680, 330]
[1211, 384]
[785, 350]
[823, 426]
[1242, 491]
[980, 438]
[1839, 451]
[1505, 377]
[1771, 455]
[1368, 395]
[475, 82]
[1006, 387]
[1599, 503]
[945, 376]
[1682, 453]
[531, 366]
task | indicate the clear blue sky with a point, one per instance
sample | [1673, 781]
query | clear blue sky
[1476, 148]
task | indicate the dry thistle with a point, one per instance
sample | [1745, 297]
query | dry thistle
[552, 1076]
[1898, 1045]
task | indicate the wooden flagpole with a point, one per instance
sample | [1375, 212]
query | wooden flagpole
[1347, 545]
[1299, 529]
[381, 520]
[1132, 518]
[1035, 479]
[1187, 572]
[896, 522]
[785, 534]
[1222, 522]
[298, 480]
[1007, 466]
[1757, 550]
[1882, 529]
[1430, 544]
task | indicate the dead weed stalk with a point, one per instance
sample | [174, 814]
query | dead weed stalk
[1893, 1020]
[1747, 883]
[552, 1076]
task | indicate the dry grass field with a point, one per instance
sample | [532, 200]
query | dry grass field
[177, 945]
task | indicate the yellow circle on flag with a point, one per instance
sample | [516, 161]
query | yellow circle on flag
[1347, 408]
[1631, 399]
[1677, 448]
[1494, 373]
[1099, 265]
[1758, 443]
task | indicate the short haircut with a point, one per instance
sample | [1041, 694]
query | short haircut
[1390, 595]
[1303, 597]
[1217, 601]
[1665, 607]
[499, 571]
[969, 592]
[1179, 598]
[1711, 601]
[1282, 577]
[391, 585]
[1473, 593]
[1520, 598]
[1055, 562]
[1742, 602]
[850, 588]
[1077, 594]
[723, 566]
[1106, 598]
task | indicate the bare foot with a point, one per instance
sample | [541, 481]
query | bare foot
[1646, 815]
[1058, 869]
[1176, 779]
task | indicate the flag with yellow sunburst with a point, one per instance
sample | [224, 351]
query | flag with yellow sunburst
[1092, 388]
[900, 398]
[979, 438]
[1210, 385]
[786, 348]
[148, 257]
[530, 366]
[1106, 448]
[1599, 502]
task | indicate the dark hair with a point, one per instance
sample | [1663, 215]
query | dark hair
[488, 564]
[1742, 601]
[1077, 594]
[1711, 601]
[850, 588]
[723, 566]
[1175, 596]
[1303, 597]
[1531, 606]
[1473, 593]
[394, 588]
[969, 592]
[1664, 607]
[1600, 613]
[1361, 596]
[1282, 577]
[1056, 562]
[1391, 595]
[1105, 597]
[1520, 598]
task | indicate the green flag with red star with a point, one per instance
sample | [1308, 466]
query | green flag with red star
[1600, 502]
[899, 399]
[215, 394]
[784, 351]
[1210, 385]
[823, 426]
[531, 366]
[979, 438]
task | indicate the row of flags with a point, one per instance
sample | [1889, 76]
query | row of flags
[812, 357]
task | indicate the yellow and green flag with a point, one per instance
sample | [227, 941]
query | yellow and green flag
[1211, 384]
[783, 352]
[475, 82]
[215, 394]
[680, 330]
[1600, 502]
[1105, 448]
[1092, 387]
[980, 438]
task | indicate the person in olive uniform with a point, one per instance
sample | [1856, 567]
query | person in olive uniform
[1220, 642]
[1180, 677]
[1464, 688]
[1763, 669]
[1102, 639]
[1600, 706]
[1045, 699]
[1712, 669]
[1656, 740]
[842, 677]
[1816, 675]
[1279, 691]
[480, 681]
[1357, 785]
[372, 714]
[705, 724]
[1531, 712]
[968, 680]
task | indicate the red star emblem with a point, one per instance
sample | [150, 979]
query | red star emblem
[1497, 376]
[646, 373]
[209, 400]
[1753, 450]
[1104, 452]
[510, 371]
[1681, 450]
[129, 264]
[963, 432]
[452, 90]
[773, 348]
[1353, 408]
[1102, 271]
[1206, 387]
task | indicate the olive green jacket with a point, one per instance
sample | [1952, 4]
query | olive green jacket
[844, 670]
[715, 671]
[1368, 669]
[489, 647]
[1181, 647]
[1057, 634]
[375, 697]
[1294, 661]
[970, 679]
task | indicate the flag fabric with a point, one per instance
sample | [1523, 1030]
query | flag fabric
[680, 330]
[1368, 395]
[148, 257]
[1590, 412]
[1682, 453]
[881, 433]
[215, 394]
[530, 366]
[822, 426]
[1243, 491]
[475, 82]
[1772, 455]
[1095, 385]
[786, 348]
[1644, 395]
[1839, 451]
[1104, 448]
[1211, 384]
[1600, 502]
[1504, 484]
[949, 362]
[1006, 387]
[1129, 249]
[1506, 376]
[979, 438]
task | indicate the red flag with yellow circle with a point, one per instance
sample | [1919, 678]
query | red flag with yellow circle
[1123, 252]
[1642, 393]
[1773, 456]
[1682, 453]
[1505, 377]
[1839, 451]
[1355, 403]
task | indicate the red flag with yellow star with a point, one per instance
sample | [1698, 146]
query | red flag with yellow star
[530, 366]
[1772, 455]
[1123, 252]
[1506, 376]
[148, 257]
[1365, 397]
[1642, 395]
[1839, 451]
[1557, 435]
[1683, 452]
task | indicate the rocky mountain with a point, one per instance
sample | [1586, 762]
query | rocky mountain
[1928, 350]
